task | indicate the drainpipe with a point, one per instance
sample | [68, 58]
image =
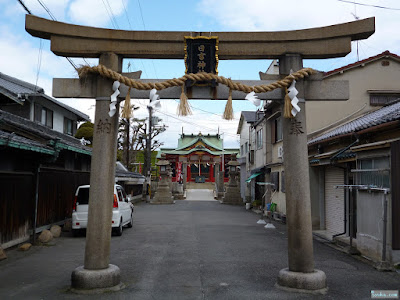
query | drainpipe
[384, 225]
[36, 203]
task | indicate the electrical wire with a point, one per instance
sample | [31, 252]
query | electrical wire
[109, 15]
[112, 14]
[144, 27]
[54, 19]
[24, 6]
[126, 14]
[47, 9]
[39, 63]
[369, 5]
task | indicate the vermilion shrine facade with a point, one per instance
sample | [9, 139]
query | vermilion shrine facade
[199, 156]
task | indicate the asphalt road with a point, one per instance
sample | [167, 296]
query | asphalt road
[189, 250]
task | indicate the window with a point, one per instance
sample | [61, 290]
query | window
[259, 139]
[43, 115]
[374, 172]
[246, 147]
[120, 195]
[251, 156]
[276, 130]
[382, 99]
[68, 126]
[275, 180]
[241, 150]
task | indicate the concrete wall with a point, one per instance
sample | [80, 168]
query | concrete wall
[244, 166]
[373, 76]
[370, 225]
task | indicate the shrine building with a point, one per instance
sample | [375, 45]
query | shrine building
[199, 156]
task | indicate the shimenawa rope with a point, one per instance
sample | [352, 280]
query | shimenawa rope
[237, 86]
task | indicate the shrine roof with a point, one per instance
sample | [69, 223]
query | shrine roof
[196, 149]
[213, 141]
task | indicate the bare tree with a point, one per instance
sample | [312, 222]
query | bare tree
[132, 139]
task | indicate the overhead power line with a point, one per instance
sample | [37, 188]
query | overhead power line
[24, 6]
[369, 5]
[47, 9]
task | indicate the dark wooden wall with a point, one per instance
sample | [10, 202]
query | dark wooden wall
[56, 194]
[16, 205]
[395, 191]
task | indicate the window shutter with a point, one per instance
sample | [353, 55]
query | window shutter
[275, 180]
[273, 131]
[38, 113]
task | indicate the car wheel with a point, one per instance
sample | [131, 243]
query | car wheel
[130, 224]
[118, 231]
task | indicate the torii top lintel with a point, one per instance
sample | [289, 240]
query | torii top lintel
[83, 41]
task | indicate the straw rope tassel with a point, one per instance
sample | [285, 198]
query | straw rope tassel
[228, 113]
[183, 107]
[127, 113]
[288, 106]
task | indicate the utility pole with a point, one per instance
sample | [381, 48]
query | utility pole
[128, 125]
[148, 148]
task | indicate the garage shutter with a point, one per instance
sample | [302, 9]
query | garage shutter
[334, 200]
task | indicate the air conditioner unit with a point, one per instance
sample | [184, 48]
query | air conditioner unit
[280, 152]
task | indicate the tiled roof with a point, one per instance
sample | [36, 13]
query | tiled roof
[386, 114]
[250, 116]
[43, 132]
[364, 61]
[15, 141]
[121, 171]
[13, 86]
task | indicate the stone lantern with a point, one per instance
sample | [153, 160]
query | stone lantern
[232, 195]
[163, 194]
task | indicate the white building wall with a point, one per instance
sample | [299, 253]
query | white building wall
[244, 167]
[372, 76]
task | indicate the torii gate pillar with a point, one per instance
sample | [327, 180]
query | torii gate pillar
[97, 273]
[301, 274]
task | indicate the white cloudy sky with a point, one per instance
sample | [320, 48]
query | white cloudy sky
[21, 58]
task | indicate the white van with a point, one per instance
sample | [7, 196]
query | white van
[122, 210]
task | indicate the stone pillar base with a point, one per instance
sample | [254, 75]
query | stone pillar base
[299, 282]
[84, 281]
[232, 196]
[383, 266]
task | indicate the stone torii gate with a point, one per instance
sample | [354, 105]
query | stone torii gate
[111, 46]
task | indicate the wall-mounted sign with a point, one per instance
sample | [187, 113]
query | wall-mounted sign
[201, 54]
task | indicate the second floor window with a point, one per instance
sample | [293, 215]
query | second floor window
[43, 115]
[259, 138]
[68, 126]
[276, 133]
